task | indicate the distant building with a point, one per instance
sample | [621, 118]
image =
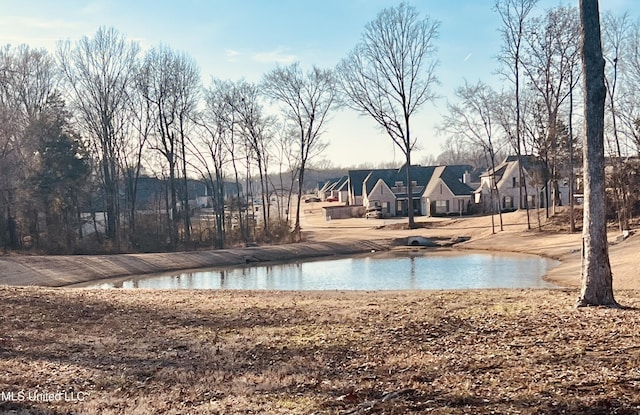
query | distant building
[336, 188]
[151, 192]
[536, 180]
[436, 190]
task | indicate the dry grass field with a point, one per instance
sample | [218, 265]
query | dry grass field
[221, 352]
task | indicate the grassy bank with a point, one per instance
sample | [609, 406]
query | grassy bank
[185, 352]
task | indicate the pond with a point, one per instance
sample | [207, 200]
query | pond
[424, 271]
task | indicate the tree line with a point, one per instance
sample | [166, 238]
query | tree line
[79, 127]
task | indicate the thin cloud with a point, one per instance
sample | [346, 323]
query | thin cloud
[274, 56]
[37, 23]
[35, 32]
[232, 55]
[96, 8]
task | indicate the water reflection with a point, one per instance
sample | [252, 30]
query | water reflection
[416, 272]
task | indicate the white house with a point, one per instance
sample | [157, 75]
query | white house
[436, 190]
[447, 193]
[512, 193]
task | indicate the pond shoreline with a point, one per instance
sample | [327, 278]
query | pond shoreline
[327, 240]
[398, 269]
[68, 270]
[89, 270]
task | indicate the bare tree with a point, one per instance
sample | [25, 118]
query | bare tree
[171, 83]
[29, 79]
[473, 120]
[629, 114]
[514, 14]
[548, 60]
[574, 79]
[390, 74]
[288, 167]
[256, 129]
[597, 285]
[139, 128]
[218, 125]
[235, 146]
[98, 72]
[457, 150]
[307, 100]
[616, 32]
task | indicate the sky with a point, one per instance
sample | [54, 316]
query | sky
[244, 39]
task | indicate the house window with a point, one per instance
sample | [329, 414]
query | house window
[414, 183]
[386, 207]
[440, 189]
[442, 206]
[398, 184]
[507, 202]
[513, 179]
[381, 190]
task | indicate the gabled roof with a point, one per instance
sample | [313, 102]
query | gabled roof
[529, 164]
[459, 170]
[452, 178]
[343, 185]
[421, 175]
[356, 180]
[386, 175]
[331, 184]
[476, 174]
[499, 171]
[336, 183]
[433, 183]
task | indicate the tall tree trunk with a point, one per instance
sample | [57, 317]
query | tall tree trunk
[110, 201]
[173, 214]
[572, 219]
[296, 234]
[412, 222]
[185, 183]
[597, 286]
[495, 188]
[521, 178]
[264, 195]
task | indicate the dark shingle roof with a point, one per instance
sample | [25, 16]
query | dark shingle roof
[331, 184]
[529, 163]
[356, 179]
[422, 175]
[387, 175]
[452, 178]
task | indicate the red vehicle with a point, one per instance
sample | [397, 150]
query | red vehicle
[332, 199]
